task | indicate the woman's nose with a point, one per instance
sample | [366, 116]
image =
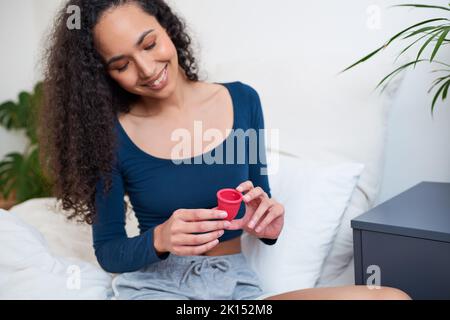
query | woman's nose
[146, 69]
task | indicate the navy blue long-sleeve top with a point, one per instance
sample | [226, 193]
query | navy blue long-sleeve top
[157, 187]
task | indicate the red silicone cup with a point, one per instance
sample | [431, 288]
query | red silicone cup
[229, 200]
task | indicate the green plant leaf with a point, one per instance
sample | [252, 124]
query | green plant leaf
[439, 42]
[436, 34]
[441, 70]
[396, 71]
[10, 171]
[22, 173]
[422, 30]
[8, 115]
[437, 81]
[436, 96]
[370, 55]
[441, 63]
[409, 46]
[24, 108]
[433, 35]
[32, 115]
[421, 6]
[444, 93]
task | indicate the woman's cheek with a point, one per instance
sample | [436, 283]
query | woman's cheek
[128, 82]
[167, 51]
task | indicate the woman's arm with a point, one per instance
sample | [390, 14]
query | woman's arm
[115, 252]
[258, 172]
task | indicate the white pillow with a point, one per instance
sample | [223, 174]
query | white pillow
[324, 117]
[28, 270]
[64, 238]
[315, 197]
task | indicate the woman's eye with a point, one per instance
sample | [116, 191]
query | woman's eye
[150, 47]
[122, 69]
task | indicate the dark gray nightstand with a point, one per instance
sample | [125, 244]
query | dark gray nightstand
[408, 238]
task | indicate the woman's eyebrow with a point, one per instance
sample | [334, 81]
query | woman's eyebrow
[142, 37]
[138, 43]
[114, 59]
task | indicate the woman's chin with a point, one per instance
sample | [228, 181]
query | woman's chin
[158, 94]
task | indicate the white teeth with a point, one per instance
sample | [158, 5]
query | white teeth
[158, 81]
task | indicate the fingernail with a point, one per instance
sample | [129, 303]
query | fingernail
[258, 229]
[223, 214]
[239, 189]
[246, 198]
[227, 224]
[251, 224]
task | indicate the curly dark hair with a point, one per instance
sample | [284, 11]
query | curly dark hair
[81, 102]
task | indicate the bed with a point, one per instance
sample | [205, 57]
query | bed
[326, 169]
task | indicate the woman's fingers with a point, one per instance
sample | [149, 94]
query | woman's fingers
[236, 224]
[195, 250]
[201, 214]
[262, 208]
[255, 193]
[197, 239]
[273, 214]
[245, 186]
[204, 226]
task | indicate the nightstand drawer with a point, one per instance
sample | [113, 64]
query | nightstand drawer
[420, 267]
[405, 242]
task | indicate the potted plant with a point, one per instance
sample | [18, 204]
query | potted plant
[21, 175]
[429, 33]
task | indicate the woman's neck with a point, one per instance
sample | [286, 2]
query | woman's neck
[177, 101]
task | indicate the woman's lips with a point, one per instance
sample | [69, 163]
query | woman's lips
[160, 81]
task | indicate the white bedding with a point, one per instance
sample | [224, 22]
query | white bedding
[44, 256]
[28, 270]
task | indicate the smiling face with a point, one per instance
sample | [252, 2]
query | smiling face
[138, 52]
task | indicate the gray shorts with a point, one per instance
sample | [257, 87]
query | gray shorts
[227, 277]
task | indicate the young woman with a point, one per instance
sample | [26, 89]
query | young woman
[117, 89]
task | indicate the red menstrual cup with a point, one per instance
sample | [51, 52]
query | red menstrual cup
[229, 200]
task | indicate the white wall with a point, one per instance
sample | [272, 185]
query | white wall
[417, 146]
[23, 24]
[19, 46]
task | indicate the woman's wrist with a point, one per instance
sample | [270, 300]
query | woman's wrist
[157, 243]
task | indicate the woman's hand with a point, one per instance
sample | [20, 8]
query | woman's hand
[176, 235]
[264, 217]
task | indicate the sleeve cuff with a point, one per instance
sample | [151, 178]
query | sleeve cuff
[268, 242]
[163, 256]
[154, 254]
